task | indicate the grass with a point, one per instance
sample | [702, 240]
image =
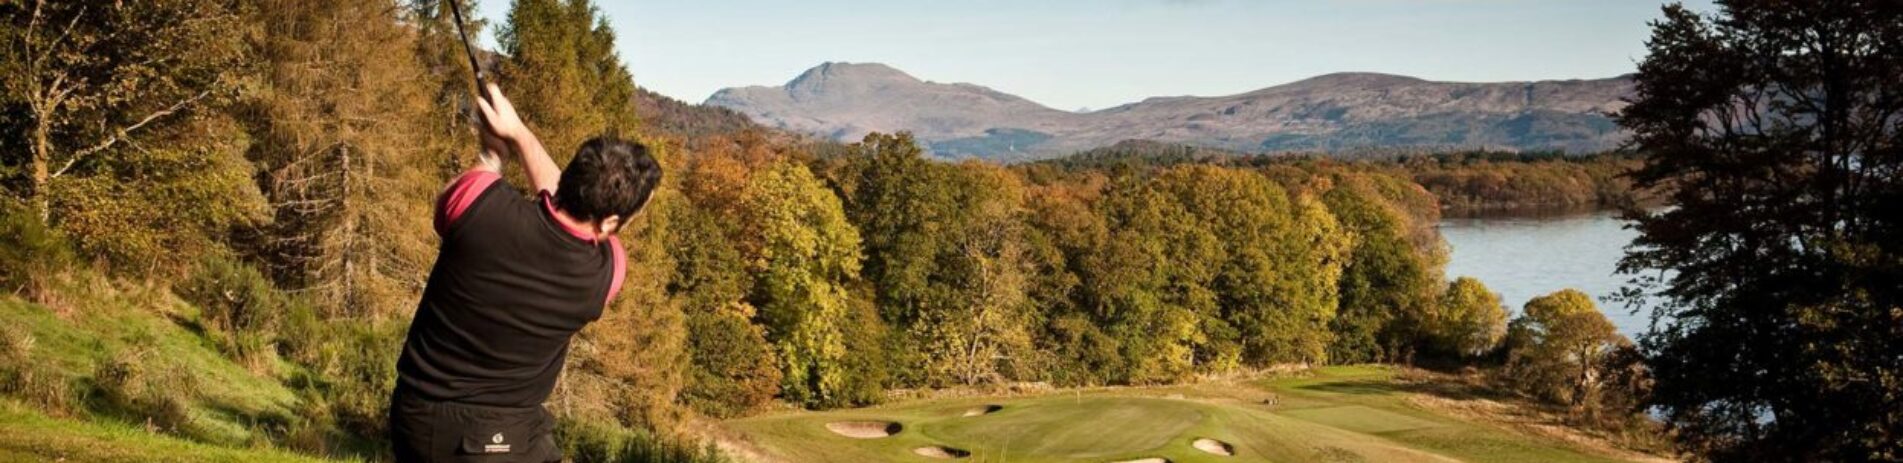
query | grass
[121, 374]
[1370, 401]
[224, 401]
[28, 435]
[1336, 414]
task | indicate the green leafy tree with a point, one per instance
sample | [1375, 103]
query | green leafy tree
[902, 206]
[809, 255]
[981, 331]
[1275, 273]
[1150, 285]
[734, 368]
[1063, 232]
[1469, 320]
[1385, 285]
[1771, 128]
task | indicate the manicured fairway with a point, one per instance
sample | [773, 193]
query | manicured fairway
[1339, 415]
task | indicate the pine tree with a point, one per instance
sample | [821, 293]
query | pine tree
[563, 73]
[335, 122]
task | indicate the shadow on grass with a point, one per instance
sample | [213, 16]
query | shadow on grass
[1450, 387]
[1353, 387]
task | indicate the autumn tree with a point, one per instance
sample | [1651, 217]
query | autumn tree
[1386, 282]
[1150, 285]
[734, 367]
[1468, 321]
[1559, 347]
[86, 78]
[112, 125]
[439, 48]
[560, 63]
[349, 186]
[1772, 128]
[979, 325]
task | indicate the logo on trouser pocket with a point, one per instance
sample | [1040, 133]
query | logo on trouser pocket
[495, 445]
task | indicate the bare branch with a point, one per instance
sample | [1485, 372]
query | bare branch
[126, 132]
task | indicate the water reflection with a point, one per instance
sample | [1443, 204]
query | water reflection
[1525, 255]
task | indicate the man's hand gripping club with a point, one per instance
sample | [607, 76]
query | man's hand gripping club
[504, 132]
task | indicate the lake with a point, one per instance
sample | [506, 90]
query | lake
[1523, 255]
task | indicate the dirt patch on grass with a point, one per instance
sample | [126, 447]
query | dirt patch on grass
[984, 410]
[941, 452]
[1214, 447]
[1145, 460]
[864, 429]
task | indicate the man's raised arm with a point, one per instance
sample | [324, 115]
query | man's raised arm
[502, 122]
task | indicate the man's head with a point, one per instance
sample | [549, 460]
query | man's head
[607, 182]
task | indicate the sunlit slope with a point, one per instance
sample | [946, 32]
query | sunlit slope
[60, 404]
[28, 435]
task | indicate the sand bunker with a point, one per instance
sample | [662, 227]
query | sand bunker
[1145, 460]
[936, 451]
[864, 429]
[985, 410]
[1214, 447]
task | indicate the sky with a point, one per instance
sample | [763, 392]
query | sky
[1078, 54]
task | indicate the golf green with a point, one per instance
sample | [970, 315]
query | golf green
[1094, 427]
[1309, 421]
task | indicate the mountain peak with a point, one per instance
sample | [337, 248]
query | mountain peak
[850, 72]
[1357, 79]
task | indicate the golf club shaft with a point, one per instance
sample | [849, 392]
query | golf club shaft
[456, 10]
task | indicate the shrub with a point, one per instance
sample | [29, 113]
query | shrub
[240, 309]
[734, 367]
[38, 383]
[131, 385]
[29, 250]
[594, 443]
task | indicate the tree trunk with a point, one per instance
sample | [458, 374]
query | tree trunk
[347, 251]
[36, 193]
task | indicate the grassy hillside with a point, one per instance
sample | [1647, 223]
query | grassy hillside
[1357, 413]
[28, 435]
[122, 372]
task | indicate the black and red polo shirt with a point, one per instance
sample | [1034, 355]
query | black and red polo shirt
[511, 286]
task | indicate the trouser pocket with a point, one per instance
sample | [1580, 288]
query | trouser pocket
[497, 434]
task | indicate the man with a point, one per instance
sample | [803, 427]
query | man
[514, 280]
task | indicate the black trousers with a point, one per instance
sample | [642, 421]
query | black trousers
[423, 430]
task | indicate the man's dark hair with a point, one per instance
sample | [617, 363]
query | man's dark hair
[608, 176]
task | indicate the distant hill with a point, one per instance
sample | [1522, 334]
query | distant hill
[1330, 113]
[674, 117]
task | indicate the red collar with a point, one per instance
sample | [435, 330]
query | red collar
[549, 205]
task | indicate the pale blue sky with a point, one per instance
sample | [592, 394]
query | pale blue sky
[1071, 54]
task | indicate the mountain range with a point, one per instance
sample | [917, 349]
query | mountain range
[1332, 113]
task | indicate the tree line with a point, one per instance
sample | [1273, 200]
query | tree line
[274, 162]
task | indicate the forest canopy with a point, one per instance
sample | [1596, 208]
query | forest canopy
[277, 171]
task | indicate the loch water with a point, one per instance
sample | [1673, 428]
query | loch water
[1525, 254]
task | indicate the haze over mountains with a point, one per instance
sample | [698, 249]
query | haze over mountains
[1330, 113]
